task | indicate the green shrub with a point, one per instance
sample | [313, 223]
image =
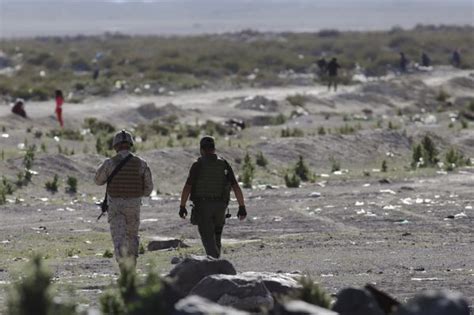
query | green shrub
[261, 160]
[52, 186]
[295, 133]
[302, 170]
[97, 126]
[108, 254]
[464, 123]
[71, 184]
[417, 156]
[335, 165]
[442, 96]
[292, 180]
[321, 131]
[32, 294]
[68, 134]
[312, 293]
[454, 158]
[296, 100]
[384, 166]
[430, 153]
[248, 171]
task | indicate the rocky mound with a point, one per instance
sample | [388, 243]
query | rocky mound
[258, 103]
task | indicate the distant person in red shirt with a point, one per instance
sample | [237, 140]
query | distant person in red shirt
[59, 107]
[19, 108]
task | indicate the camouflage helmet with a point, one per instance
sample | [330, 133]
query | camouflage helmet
[207, 142]
[122, 136]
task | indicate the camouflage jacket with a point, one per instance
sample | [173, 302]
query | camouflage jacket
[108, 166]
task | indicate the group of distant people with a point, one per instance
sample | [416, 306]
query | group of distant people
[426, 60]
[329, 70]
[18, 107]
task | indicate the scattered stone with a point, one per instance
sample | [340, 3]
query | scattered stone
[315, 194]
[196, 305]
[276, 283]
[435, 303]
[351, 301]
[384, 181]
[301, 308]
[235, 291]
[406, 234]
[407, 188]
[258, 103]
[449, 216]
[165, 244]
[193, 269]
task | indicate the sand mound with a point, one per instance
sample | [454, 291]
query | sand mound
[149, 111]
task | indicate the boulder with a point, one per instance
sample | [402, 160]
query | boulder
[276, 283]
[165, 244]
[301, 308]
[351, 301]
[235, 291]
[441, 302]
[197, 305]
[193, 269]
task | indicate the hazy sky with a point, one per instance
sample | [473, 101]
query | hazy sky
[19, 18]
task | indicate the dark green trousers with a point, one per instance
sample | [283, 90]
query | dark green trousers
[211, 220]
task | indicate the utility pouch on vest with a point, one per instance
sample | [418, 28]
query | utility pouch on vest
[194, 215]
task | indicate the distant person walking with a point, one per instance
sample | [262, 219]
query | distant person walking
[332, 68]
[322, 66]
[456, 58]
[403, 63]
[19, 108]
[59, 107]
[425, 60]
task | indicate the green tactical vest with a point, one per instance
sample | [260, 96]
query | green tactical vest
[211, 180]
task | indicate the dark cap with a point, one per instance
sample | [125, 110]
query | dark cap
[207, 142]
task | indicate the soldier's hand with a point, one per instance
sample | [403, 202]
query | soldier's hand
[242, 213]
[183, 212]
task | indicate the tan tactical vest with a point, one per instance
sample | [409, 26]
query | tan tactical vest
[127, 183]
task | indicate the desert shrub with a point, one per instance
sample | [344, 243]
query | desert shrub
[384, 166]
[346, 129]
[321, 131]
[312, 293]
[292, 180]
[471, 106]
[108, 254]
[430, 151]
[296, 99]
[103, 143]
[454, 158]
[97, 126]
[442, 96]
[302, 170]
[261, 160]
[71, 184]
[248, 171]
[295, 132]
[52, 186]
[335, 165]
[32, 294]
[212, 128]
[280, 119]
[417, 156]
[134, 297]
[68, 134]
[464, 123]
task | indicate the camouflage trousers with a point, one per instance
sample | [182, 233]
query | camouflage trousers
[124, 224]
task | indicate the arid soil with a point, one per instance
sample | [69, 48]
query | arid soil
[404, 230]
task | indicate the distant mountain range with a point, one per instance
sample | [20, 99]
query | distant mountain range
[19, 18]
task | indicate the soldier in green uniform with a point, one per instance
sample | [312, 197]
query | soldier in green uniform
[209, 183]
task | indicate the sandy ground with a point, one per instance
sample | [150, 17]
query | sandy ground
[407, 235]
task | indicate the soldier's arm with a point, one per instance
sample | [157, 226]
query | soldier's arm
[238, 194]
[147, 181]
[185, 195]
[102, 173]
[188, 186]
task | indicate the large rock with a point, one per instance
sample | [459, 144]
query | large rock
[197, 305]
[276, 283]
[435, 303]
[351, 301]
[235, 291]
[301, 308]
[193, 269]
[165, 244]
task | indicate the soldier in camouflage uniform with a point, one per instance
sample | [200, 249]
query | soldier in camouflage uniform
[209, 183]
[124, 194]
